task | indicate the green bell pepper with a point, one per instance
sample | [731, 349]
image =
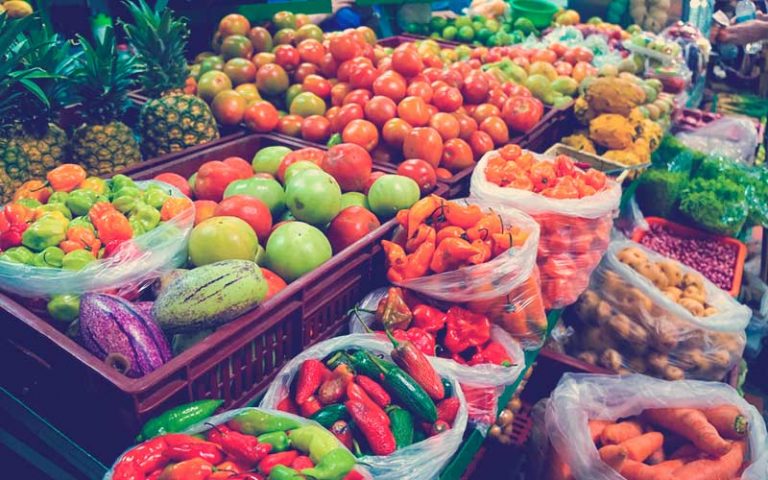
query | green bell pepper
[58, 197]
[147, 215]
[315, 440]
[155, 197]
[332, 466]
[82, 222]
[28, 202]
[56, 207]
[281, 472]
[80, 201]
[120, 181]
[21, 255]
[47, 231]
[125, 204]
[178, 419]
[256, 422]
[64, 308]
[51, 257]
[279, 441]
[77, 260]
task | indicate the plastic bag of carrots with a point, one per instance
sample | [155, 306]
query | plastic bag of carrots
[483, 369]
[575, 209]
[476, 255]
[646, 313]
[422, 459]
[604, 427]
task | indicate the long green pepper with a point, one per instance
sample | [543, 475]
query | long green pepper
[179, 418]
[407, 390]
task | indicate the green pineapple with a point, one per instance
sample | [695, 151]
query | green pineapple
[104, 144]
[173, 120]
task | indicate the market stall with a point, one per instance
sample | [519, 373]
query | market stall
[293, 252]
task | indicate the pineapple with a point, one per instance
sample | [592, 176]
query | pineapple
[172, 120]
[104, 144]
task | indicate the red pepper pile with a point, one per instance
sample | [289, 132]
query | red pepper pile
[459, 334]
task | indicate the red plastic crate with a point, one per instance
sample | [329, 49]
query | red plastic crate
[683, 231]
[102, 410]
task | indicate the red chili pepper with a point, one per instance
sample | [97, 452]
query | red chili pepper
[308, 408]
[208, 451]
[377, 433]
[447, 410]
[173, 439]
[340, 429]
[312, 373]
[147, 457]
[493, 352]
[374, 390]
[194, 469]
[243, 448]
[332, 390]
[301, 462]
[354, 475]
[439, 427]
[282, 458]
[428, 318]
[287, 405]
[127, 470]
[415, 363]
[465, 329]
[356, 392]
[227, 469]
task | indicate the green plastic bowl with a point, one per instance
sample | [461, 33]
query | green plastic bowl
[539, 12]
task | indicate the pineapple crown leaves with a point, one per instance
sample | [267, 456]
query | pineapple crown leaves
[160, 41]
[102, 78]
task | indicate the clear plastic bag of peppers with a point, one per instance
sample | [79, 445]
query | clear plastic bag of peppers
[574, 207]
[483, 357]
[402, 423]
[460, 252]
[242, 444]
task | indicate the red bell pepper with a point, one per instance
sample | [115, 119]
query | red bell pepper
[465, 329]
[428, 318]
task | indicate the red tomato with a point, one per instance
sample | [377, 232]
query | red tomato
[390, 84]
[414, 111]
[309, 154]
[374, 176]
[497, 129]
[311, 51]
[261, 116]
[467, 125]
[350, 165]
[523, 62]
[446, 125]
[583, 54]
[176, 180]
[420, 89]
[316, 128]
[317, 85]
[475, 89]
[452, 78]
[407, 62]
[380, 109]
[512, 89]
[547, 56]
[361, 132]
[485, 110]
[290, 125]
[563, 68]
[204, 210]
[287, 57]
[447, 99]
[243, 167]
[250, 209]
[303, 71]
[213, 178]
[481, 143]
[347, 113]
[424, 143]
[522, 113]
[457, 155]
[421, 172]
[349, 226]
[362, 76]
[431, 74]
[394, 132]
[343, 47]
[338, 92]
[359, 96]
[328, 66]
[274, 283]
[558, 48]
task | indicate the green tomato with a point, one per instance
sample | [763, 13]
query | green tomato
[314, 197]
[351, 199]
[298, 167]
[391, 193]
[267, 160]
[192, 180]
[295, 249]
[268, 190]
[222, 238]
[261, 254]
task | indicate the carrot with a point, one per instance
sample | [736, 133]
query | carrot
[691, 424]
[613, 456]
[656, 457]
[633, 470]
[728, 421]
[669, 466]
[686, 452]
[723, 468]
[642, 447]
[596, 427]
[620, 432]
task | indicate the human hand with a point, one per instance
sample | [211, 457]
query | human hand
[445, 14]
[744, 33]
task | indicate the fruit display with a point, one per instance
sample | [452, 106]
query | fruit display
[703, 430]
[573, 208]
[651, 15]
[646, 313]
[247, 443]
[477, 29]
[399, 404]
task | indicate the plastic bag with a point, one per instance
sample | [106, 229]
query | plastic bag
[420, 461]
[731, 136]
[627, 324]
[224, 417]
[574, 232]
[134, 262]
[482, 384]
[581, 397]
[505, 289]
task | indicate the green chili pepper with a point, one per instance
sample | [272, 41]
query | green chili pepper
[147, 216]
[82, 222]
[278, 440]
[256, 422]
[56, 207]
[334, 140]
[77, 259]
[80, 201]
[315, 440]
[120, 181]
[401, 423]
[58, 197]
[64, 308]
[411, 395]
[125, 204]
[179, 418]
[333, 465]
[21, 255]
[28, 202]
[155, 197]
[50, 257]
[47, 231]
[281, 472]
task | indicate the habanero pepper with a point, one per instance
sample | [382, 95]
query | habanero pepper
[465, 329]
[332, 390]
[374, 390]
[111, 224]
[500, 243]
[80, 201]
[145, 215]
[405, 267]
[29, 203]
[421, 211]
[194, 469]
[174, 206]
[57, 208]
[542, 175]
[77, 260]
[377, 433]
[51, 257]
[424, 233]
[66, 178]
[413, 361]
[94, 184]
[155, 196]
[484, 229]
[450, 254]
[272, 460]
[34, 189]
[392, 311]
[312, 374]
[402, 218]
[12, 237]
[17, 213]
[464, 216]
[47, 231]
[21, 255]
[427, 318]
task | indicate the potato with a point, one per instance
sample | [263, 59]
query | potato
[672, 271]
[695, 293]
[692, 305]
[673, 293]
[586, 306]
[673, 373]
[611, 359]
[588, 357]
[658, 362]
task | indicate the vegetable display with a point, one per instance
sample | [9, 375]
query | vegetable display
[575, 227]
[649, 314]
